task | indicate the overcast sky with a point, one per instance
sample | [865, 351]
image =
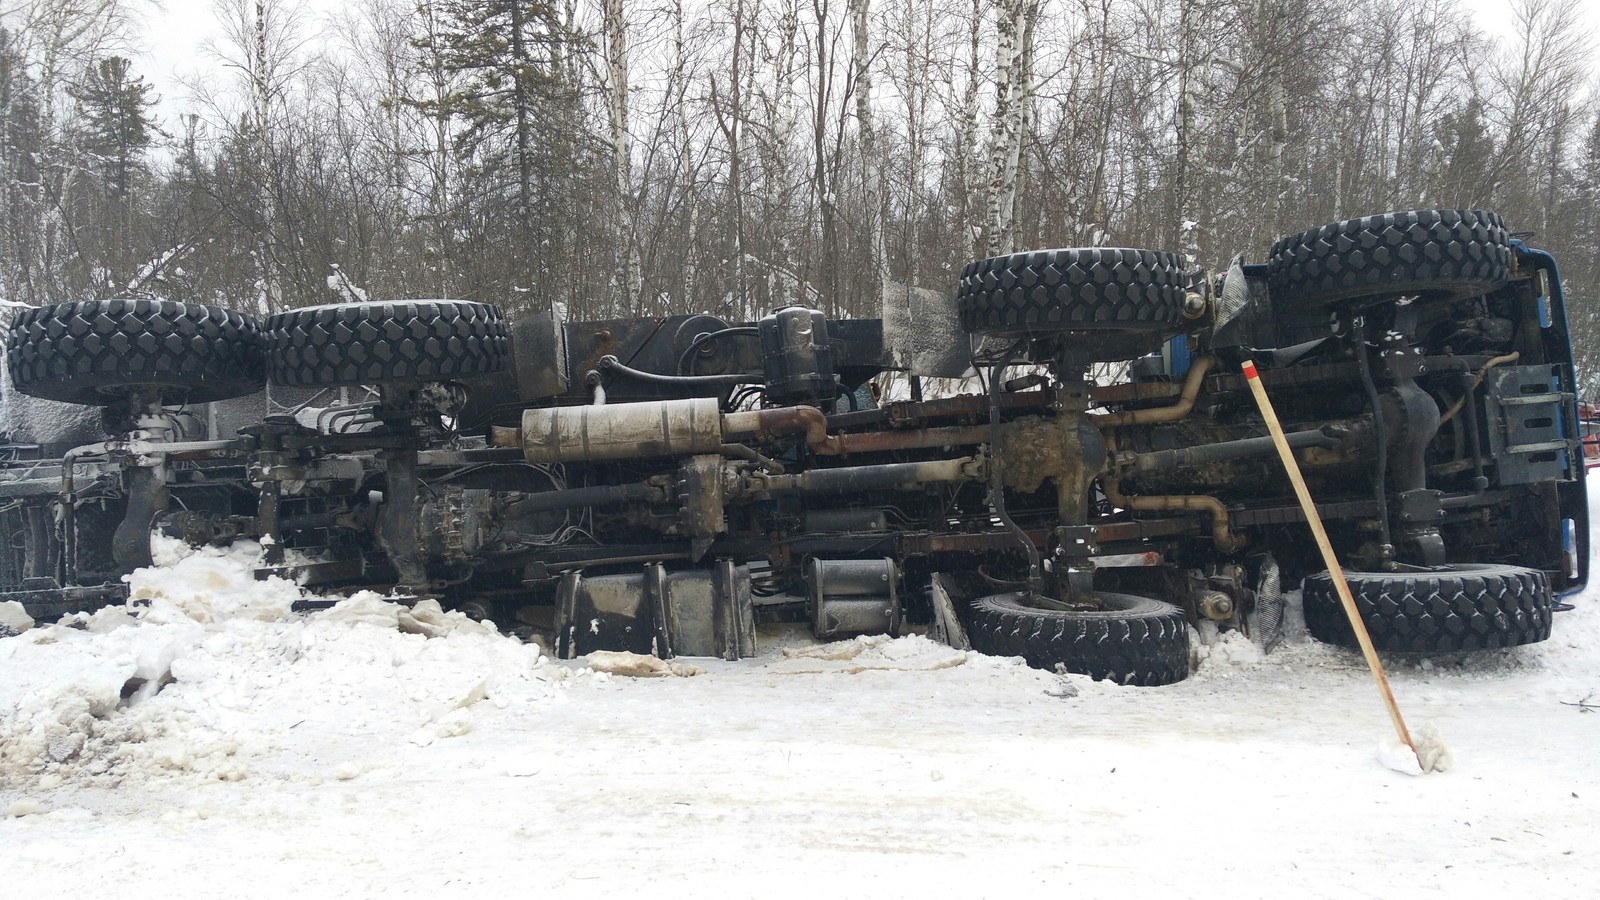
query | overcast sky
[177, 31]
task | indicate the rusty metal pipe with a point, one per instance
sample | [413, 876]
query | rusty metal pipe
[765, 424]
[1185, 404]
[921, 438]
[1226, 539]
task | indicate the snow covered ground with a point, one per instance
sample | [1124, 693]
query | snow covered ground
[212, 744]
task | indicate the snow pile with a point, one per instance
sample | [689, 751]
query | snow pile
[14, 619]
[868, 653]
[1430, 754]
[207, 672]
[1212, 648]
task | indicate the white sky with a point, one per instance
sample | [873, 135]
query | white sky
[178, 35]
[177, 31]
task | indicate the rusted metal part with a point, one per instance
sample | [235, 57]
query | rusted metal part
[701, 495]
[855, 479]
[1067, 450]
[1221, 534]
[766, 424]
[1184, 406]
[1133, 392]
[923, 544]
[1136, 530]
[604, 343]
[921, 438]
[913, 413]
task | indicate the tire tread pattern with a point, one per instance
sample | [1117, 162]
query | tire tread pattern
[373, 343]
[87, 352]
[1466, 608]
[1455, 252]
[1147, 645]
[1075, 289]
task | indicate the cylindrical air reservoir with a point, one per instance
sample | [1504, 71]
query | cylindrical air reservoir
[853, 596]
[621, 430]
[796, 356]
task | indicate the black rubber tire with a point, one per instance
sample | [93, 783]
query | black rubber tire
[1465, 607]
[1084, 289]
[1440, 253]
[373, 343]
[1134, 640]
[96, 352]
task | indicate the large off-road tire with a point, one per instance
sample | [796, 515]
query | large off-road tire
[1439, 253]
[1130, 640]
[96, 352]
[374, 343]
[1108, 291]
[1462, 607]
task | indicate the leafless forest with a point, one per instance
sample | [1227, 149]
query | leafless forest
[633, 158]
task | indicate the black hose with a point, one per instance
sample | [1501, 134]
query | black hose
[697, 343]
[612, 364]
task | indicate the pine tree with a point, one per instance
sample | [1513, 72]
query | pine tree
[113, 129]
[519, 116]
[19, 175]
[117, 126]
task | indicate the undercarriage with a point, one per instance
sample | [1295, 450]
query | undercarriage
[1075, 473]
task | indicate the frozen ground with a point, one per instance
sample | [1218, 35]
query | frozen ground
[215, 745]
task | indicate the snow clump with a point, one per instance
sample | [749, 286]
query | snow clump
[206, 672]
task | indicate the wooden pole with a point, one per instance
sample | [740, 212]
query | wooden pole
[1334, 571]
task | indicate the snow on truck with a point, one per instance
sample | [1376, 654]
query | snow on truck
[662, 485]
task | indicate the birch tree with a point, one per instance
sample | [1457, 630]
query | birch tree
[629, 279]
[866, 137]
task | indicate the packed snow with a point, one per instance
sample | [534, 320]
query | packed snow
[204, 740]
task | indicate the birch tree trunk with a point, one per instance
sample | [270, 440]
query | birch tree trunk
[678, 83]
[269, 298]
[1013, 70]
[972, 219]
[871, 181]
[629, 279]
[1009, 15]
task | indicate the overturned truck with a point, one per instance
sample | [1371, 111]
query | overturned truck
[662, 485]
